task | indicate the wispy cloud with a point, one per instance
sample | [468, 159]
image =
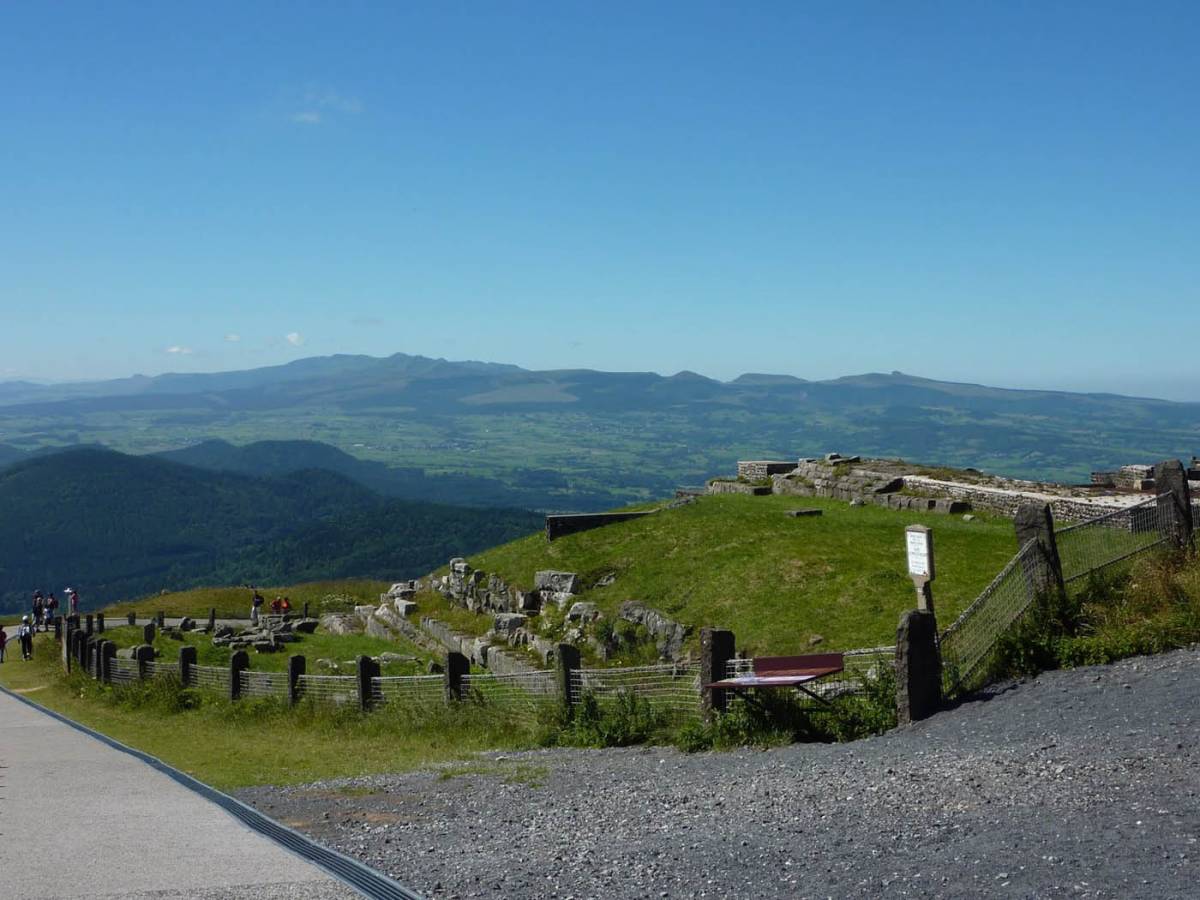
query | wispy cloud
[233, 337]
[321, 104]
[178, 350]
[295, 338]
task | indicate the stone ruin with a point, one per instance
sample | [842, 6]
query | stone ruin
[269, 635]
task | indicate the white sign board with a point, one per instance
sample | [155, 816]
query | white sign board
[920, 555]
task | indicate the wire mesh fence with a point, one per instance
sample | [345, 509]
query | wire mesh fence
[408, 691]
[671, 689]
[210, 678]
[970, 640]
[338, 689]
[157, 669]
[1092, 545]
[123, 671]
[521, 696]
[263, 684]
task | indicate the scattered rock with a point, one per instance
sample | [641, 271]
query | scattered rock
[556, 582]
[806, 511]
[187, 624]
[815, 639]
[507, 623]
[584, 611]
[305, 626]
[968, 518]
[339, 623]
[668, 635]
[609, 578]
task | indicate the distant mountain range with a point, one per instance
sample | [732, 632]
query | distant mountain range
[120, 526]
[493, 434]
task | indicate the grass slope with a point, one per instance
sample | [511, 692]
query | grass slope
[739, 562]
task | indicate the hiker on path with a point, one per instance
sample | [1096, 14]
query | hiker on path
[3, 642]
[25, 636]
[256, 603]
[39, 610]
[51, 610]
[74, 597]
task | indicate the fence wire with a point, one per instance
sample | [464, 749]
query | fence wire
[156, 669]
[671, 689]
[210, 678]
[858, 666]
[263, 684]
[329, 688]
[123, 671]
[969, 641]
[409, 691]
[1089, 546]
[519, 695]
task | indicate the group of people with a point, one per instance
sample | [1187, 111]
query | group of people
[41, 617]
[279, 606]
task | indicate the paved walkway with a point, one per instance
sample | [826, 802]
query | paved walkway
[81, 819]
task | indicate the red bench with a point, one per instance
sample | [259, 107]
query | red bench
[783, 671]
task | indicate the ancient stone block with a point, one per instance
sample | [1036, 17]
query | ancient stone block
[557, 582]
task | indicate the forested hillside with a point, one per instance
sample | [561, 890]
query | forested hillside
[114, 526]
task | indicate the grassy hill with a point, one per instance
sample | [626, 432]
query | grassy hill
[739, 562]
[117, 526]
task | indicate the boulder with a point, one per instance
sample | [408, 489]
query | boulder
[223, 631]
[807, 511]
[389, 657]
[127, 653]
[528, 601]
[339, 623]
[304, 626]
[404, 607]
[583, 611]
[558, 598]
[968, 518]
[327, 664]
[556, 582]
[668, 635]
[265, 646]
[608, 578]
[507, 623]
[364, 612]
[187, 624]
[377, 628]
[286, 638]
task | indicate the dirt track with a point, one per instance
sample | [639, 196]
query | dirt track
[1080, 784]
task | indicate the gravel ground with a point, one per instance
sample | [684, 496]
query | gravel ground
[1080, 783]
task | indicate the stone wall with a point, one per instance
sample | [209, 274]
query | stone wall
[754, 469]
[738, 487]
[1006, 501]
[561, 525]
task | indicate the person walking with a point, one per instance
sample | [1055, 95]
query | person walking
[25, 636]
[39, 610]
[74, 597]
[256, 603]
[3, 642]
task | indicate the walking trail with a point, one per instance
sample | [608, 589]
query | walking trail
[79, 818]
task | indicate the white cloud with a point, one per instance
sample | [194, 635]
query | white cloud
[320, 104]
[295, 338]
[179, 351]
[233, 338]
[308, 117]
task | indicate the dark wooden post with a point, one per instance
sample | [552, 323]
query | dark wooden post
[918, 667]
[68, 637]
[148, 632]
[212, 620]
[132, 617]
[306, 609]
[367, 669]
[187, 659]
[566, 663]
[238, 663]
[108, 652]
[58, 628]
[1034, 522]
[143, 654]
[457, 666]
[1170, 477]
[99, 623]
[162, 619]
[716, 650]
[92, 651]
[296, 667]
[89, 627]
[80, 649]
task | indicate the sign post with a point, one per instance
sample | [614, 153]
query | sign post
[919, 543]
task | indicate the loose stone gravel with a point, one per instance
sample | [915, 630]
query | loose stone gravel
[1076, 784]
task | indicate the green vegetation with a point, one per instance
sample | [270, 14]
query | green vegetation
[234, 602]
[118, 526]
[232, 745]
[739, 562]
[1150, 606]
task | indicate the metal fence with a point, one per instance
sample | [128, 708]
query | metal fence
[157, 669]
[672, 689]
[1092, 545]
[338, 689]
[410, 691]
[123, 671]
[211, 678]
[519, 695]
[263, 684]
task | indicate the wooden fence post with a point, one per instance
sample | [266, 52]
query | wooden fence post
[238, 663]
[1035, 522]
[566, 662]
[108, 652]
[716, 650]
[68, 637]
[367, 669]
[143, 654]
[89, 626]
[1170, 477]
[212, 619]
[457, 665]
[132, 618]
[162, 619]
[296, 667]
[187, 659]
[918, 667]
[99, 623]
[148, 632]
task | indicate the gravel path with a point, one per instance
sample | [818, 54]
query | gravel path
[1080, 783]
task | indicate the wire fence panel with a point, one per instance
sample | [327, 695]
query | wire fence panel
[263, 684]
[413, 691]
[1089, 546]
[970, 640]
[210, 678]
[520, 695]
[329, 688]
[155, 669]
[672, 689]
[123, 671]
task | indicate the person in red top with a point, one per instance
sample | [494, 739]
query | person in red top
[286, 606]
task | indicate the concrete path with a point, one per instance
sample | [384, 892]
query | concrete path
[81, 819]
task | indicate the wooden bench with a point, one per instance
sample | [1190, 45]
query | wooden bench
[783, 671]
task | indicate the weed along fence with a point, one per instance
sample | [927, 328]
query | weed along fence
[1051, 560]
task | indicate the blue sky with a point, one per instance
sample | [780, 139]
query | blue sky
[995, 192]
